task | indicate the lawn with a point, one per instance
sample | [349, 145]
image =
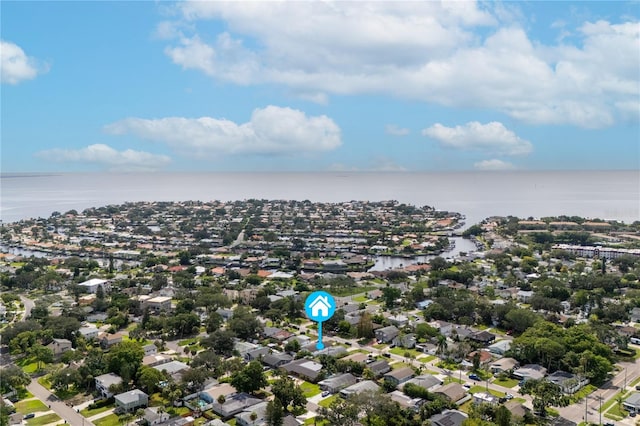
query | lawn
[313, 421]
[402, 352]
[360, 299]
[582, 393]
[188, 342]
[88, 413]
[30, 406]
[507, 383]
[397, 365]
[43, 420]
[450, 379]
[310, 389]
[44, 382]
[28, 365]
[327, 401]
[110, 420]
[427, 358]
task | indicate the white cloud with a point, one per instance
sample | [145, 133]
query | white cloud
[492, 137]
[493, 164]
[392, 129]
[427, 51]
[104, 155]
[271, 130]
[16, 66]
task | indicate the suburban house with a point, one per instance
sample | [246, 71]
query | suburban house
[336, 383]
[129, 401]
[89, 332]
[91, 286]
[399, 376]
[304, 368]
[387, 334]
[407, 341]
[59, 346]
[485, 398]
[234, 404]
[256, 353]
[448, 418]
[568, 382]
[157, 304]
[483, 356]
[503, 365]
[500, 347]
[173, 368]
[453, 391]
[259, 411]
[150, 349]
[378, 368]
[156, 359]
[483, 337]
[104, 381]
[153, 417]
[426, 381]
[363, 386]
[405, 401]
[632, 403]
[524, 295]
[530, 371]
[635, 315]
[107, 340]
[276, 359]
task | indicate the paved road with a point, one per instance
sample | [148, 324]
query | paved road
[576, 412]
[28, 306]
[60, 408]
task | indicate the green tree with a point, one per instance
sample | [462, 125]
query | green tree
[125, 359]
[288, 393]
[502, 416]
[275, 413]
[149, 379]
[42, 354]
[545, 394]
[250, 379]
[365, 326]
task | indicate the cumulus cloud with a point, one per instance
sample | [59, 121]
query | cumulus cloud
[427, 51]
[393, 130]
[492, 137]
[494, 165]
[16, 66]
[271, 130]
[104, 155]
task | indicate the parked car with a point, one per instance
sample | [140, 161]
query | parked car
[326, 393]
[474, 376]
[29, 416]
[508, 396]
[466, 385]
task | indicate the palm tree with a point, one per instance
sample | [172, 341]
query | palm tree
[442, 345]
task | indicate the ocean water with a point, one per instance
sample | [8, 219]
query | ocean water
[592, 194]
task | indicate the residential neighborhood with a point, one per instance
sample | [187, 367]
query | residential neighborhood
[192, 313]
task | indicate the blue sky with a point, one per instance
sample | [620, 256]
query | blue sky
[322, 86]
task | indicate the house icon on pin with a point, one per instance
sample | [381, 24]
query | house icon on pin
[320, 307]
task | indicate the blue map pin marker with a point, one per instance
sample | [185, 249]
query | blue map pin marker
[320, 306]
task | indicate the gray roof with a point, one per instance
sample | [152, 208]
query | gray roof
[109, 379]
[379, 367]
[304, 367]
[425, 381]
[275, 358]
[634, 399]
[339, 381]
[448, 418]
[130, 396]
[172, 367]
[363, 386]
[400, 373]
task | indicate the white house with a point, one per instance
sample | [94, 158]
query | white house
[104, 381]
[93, 284]
[89, 332]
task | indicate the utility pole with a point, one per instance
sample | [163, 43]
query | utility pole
[600, 410]
[624, 389]
[586, 399]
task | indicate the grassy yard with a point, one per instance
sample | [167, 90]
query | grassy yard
[110, 420]
[313, 421]
[327, 401]
[188, 342]
[398, 365]
[43, 420]
[310, 389]
[507, 383]
[44, 382]
[582, 393]
[28, 365]
[427, 358]
[360, 299]
[88, 413]
[30, 406]
[616, 412]
[402, 351]
[450, 379]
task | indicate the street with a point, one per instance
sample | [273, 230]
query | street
[60, 408]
